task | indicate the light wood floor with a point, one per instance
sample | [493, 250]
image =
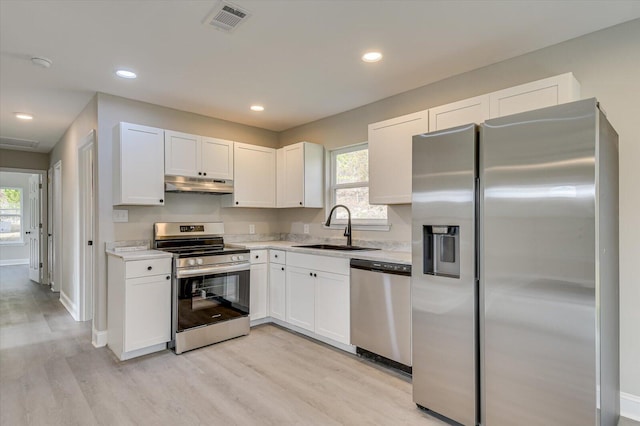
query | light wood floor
[50, 374]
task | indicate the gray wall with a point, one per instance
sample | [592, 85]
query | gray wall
[607, 64]
[178, 207]
[13, 159]
[66, 151]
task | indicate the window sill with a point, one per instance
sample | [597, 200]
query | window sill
[12, 243]
[359, 227]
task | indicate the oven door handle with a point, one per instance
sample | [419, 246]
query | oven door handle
[212, 270]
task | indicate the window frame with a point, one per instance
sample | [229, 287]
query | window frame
[363, 224]
[21, 215]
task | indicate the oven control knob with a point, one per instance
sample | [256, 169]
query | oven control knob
[234, 257]
[240, 257]
[191, 262]
[199, 261]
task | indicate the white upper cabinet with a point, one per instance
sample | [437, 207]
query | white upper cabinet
[138, 161]
[197, 156]
[217, 158]
[181, 156]
[254, 177]
[300, 175]
[390, 145]
[537, 94]
[472, 110]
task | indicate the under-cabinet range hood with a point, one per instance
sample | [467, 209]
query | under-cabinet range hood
[203, 186]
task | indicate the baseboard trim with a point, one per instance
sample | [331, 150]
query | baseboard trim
[12, 262]
[98, 338]
[630, 406]
[69, 306]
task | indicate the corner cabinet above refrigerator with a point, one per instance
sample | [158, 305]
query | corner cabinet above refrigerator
[515, 269]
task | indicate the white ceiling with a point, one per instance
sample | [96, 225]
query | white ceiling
[301, 59]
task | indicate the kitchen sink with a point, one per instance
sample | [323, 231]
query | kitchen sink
[335, 247]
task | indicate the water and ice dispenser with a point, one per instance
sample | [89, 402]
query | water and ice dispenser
[441, 250]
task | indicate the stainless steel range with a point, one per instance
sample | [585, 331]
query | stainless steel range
[210, 285]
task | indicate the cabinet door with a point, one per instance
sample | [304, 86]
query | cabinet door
[255, 176]
[537, 94]
[139, 166]
[390, 145]
[277, 295]
[472, 110]
[293, 187]
[216, 158]
[332, 307]
[181, 156]
[300, 285]
[147, 311]
[258, 292]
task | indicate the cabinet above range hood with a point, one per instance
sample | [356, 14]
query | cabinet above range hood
[202, 186]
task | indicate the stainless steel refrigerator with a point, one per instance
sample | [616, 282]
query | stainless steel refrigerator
[515, 269]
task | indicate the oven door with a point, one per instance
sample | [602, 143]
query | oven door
[210, 295]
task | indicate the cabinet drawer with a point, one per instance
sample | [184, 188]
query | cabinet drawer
[277, 256]
[144, 268]
[319, 263]
[259, 256]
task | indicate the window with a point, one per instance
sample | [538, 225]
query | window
[350, 186]
[10, 215]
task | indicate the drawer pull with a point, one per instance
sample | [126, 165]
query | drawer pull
[149, 268]
[168, 277]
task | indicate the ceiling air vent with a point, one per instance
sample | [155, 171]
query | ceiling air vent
[12, 143]
[226, 16]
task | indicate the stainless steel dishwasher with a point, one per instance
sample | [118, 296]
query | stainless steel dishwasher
[381, 311]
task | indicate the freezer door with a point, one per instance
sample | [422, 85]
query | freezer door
[538, 267]
[443, 276]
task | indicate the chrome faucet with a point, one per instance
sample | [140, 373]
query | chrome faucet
[347, 230]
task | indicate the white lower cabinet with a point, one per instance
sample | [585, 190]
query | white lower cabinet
[318, 295]
[332, 307]
[301, 286]
[258, 293]
[139, 305]
[277, 284]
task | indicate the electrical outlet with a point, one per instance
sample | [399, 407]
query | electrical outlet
[120, 215]
[306, 228]
[252, 229]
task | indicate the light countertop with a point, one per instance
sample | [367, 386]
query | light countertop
[403, 257]
[138, 254]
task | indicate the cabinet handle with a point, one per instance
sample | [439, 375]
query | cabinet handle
[275, 255]
[205, 173]
[199, 173]
[315, 275]
[149, 268]
[283, 268]
[237, 203]
[310, 274]
[161, 200]
[300, 202]
[168, 277]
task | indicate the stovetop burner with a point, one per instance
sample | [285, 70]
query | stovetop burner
[192, 239]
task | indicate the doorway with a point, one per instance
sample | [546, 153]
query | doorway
[22, 212]
[56, 234]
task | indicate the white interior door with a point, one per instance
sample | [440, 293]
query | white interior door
[57, 227]
[33, 228]
[87, 247]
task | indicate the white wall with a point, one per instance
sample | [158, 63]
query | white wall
[17, 253]
[607, 64]
[178, 206]
[66, 150]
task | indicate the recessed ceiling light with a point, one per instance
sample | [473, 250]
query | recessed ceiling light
[257, 108]
[23, 116]
[41, 62]
[372, 56]
[126, 74]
